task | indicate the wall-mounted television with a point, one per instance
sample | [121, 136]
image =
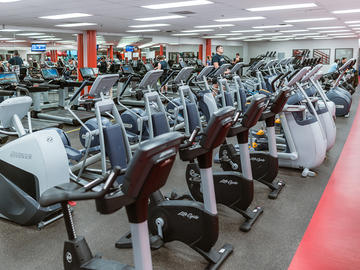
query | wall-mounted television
[38, 47]
[129, 48]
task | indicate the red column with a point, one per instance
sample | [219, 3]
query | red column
[53, 56]
[91, 48]
[161, 50]
[208, 47]
[201, 47]
[80, 47]
[111, 52]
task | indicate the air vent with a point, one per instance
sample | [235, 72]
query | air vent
[183, 12]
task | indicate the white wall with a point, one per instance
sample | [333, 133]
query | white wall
[257, 48]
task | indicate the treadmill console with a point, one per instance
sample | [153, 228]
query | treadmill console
[127, 69]
[87, 73]
[8, 78]
[49, 73]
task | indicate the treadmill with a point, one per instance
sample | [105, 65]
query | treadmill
[9, 82]
[60, 114]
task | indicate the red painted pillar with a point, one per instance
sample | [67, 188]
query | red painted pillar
[111, 52]
[91, 48]
[161, 50]
[208, 47]
[201, 47]
[80, 47]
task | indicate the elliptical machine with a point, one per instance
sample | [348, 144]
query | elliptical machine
[147, 172]
[28, 166]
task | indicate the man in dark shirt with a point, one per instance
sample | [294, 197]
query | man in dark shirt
[102, 65]
[16, 60]
[218, 59]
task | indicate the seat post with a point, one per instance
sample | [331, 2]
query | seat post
[69, 223]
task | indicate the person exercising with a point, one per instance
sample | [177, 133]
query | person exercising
[217, 61]
[16, 60]
[163, 65]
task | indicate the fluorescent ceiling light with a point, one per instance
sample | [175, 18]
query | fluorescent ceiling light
[270, 34]
[173, 43]
[169, 17]
[282, 7]
[256, 39]
[229, 34]
[179, 4]
[273, 26]
[149, 25]
[74, 24]
[143, 30]
[326, 27]
[345, 11]
[214, 26]
[10, 30]
[350, 22]
[310, 20]
[197, 30]
[305, 34]
[340, 34]
[214, 37]
[356, 29]
[247, 31]
[6, 38]
[65, 16]
[240, 19]
[354, 25]
[285, 39]
[67, 41]
[334, 31]
[244, 37]
[323, 38]
[300, 38]
[9, 1]
[51, 39]
[294, 31]
[147, 45]
[349, 36]
[42, 37]
[281, 37]
[17, 41]
[30, 34]
[186, 34]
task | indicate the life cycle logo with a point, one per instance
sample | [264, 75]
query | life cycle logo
[20, 155]
[257, 159]
[188, 215]
[228, 182]
[50, 139]
[68, 257]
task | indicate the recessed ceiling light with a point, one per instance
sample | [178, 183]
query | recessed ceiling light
[179, 4]
[350, 22]
[30, 34]
[169, 17]
[10, 30]
[310, 20]
[345, 11]
[334, 31]
[356, 29]
[65, 16]
[42, 37]
[294, 31]
[273, 26]
[349, 36]
[75, 24]
[326, 27]
[9, 1]
[214, 26]
[282, 7]
[142, 30]
[354, 25]
[149, 25]
[285, 39]
[240, 19]
[323, 38]
[6, 38]
[269, 34]
[256, 39]
[186, 34]
[282, 37]
[242, 38]
[197, 30]
[247, 31]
